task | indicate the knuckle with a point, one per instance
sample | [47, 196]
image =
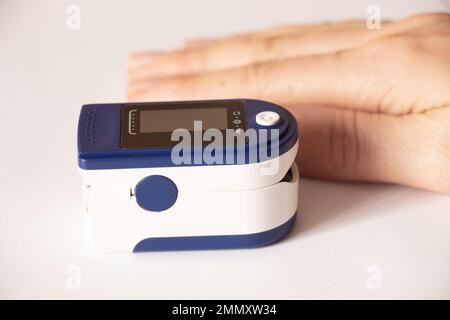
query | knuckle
[268, 47]
[397, 47]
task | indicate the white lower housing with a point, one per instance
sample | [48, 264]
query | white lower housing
[212, 200]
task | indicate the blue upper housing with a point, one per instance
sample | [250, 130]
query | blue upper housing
[99, 132]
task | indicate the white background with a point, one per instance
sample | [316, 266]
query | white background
[48, 71]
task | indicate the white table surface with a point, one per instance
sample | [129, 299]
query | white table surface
[48, 71]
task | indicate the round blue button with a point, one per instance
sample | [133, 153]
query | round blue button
[156, 193]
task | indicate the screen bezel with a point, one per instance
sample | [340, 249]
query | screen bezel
[132, 138]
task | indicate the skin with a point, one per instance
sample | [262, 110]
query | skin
[372, 105]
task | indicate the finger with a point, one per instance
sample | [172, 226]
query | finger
[312, 80]
[269, 81]
[278, 44]
[236, 53]
[359, 146]
[232, 54]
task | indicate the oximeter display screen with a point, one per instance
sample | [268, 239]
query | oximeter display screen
[150, 125]
[165, 120]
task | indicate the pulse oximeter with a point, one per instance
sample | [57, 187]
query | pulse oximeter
[187, 175]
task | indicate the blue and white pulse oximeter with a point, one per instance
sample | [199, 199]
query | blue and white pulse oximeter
[232, 182]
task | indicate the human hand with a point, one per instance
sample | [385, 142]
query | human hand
[372, 105]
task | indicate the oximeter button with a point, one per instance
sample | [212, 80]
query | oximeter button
[156, 193]
[267, 118]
